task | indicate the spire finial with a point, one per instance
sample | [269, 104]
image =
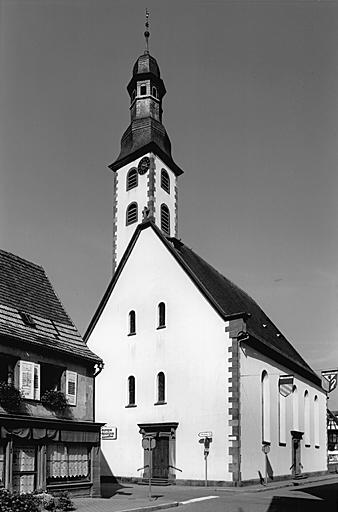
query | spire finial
[146, 32]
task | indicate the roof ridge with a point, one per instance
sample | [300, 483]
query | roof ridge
[13, 256]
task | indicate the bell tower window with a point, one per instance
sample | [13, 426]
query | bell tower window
[132, 214]
[165, 181]
[154, 91]
[132, 178]
[165, 219]
[143, 90]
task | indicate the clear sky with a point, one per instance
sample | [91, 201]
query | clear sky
[252, 113]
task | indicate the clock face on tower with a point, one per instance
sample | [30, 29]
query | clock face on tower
[143, 165]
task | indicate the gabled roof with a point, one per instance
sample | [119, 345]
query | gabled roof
[25, 290]
[226, 298]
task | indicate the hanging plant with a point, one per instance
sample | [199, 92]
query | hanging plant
[54, 400]
[10, 397]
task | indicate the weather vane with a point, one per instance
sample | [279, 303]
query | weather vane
[147, 33]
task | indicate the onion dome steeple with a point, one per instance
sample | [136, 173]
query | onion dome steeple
[146, 131]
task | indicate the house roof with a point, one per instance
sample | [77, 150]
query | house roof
[26, 290]
[227, 299]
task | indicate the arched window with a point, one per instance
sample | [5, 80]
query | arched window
[154, 91]
[132, 178]
[306, 419]
[160, 387]
[131, 390]
[295, 409]
[132, 322]
[265, 408]
[316, 421]
[161, 314]
[131, 215]
[282, 419]
[165, 181]
[143, 90]
[165, 219]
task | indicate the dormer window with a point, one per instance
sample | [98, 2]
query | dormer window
[27, 319]
[143, 90]
[165, 181]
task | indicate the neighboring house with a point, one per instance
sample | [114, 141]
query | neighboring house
[44, 443]
[191, 360]
[332, 440]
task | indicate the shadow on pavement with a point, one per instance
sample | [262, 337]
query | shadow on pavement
[284, 503]
[329, 493]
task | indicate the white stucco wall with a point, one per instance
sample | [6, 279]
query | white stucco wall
[192, 351]
[252, 364]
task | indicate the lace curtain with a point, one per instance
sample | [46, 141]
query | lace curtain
[66, 461]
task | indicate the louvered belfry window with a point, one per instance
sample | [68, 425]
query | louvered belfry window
[165, 219]
[165, 181]
[131, 216]
[132, 178]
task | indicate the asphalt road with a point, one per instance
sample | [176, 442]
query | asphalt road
[320, 498]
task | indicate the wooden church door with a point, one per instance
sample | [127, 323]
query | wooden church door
[161, 458]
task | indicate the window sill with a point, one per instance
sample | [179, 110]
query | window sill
[161, 327]
[130, 406]
[160, 403]
[131, 333]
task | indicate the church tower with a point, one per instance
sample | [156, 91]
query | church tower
[144, 173]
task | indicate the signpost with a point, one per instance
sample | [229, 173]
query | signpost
[148, 444]
[206, 439]
[266, 450]
[108, 433]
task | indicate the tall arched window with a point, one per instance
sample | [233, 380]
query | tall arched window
[165, 219]
[161, 314]
[316, 421]
[132, 322]
[132, 178]
[131, 390]
[165, 181]
[295, 409]
[154, 91]
[160, 387]
[282, 419]
[265, 408]
[306, 419]
[131, 214]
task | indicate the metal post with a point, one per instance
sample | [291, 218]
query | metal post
[206, 469]
[266, 469]
[150, 469]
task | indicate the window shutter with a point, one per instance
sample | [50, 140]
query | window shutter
[36, 381]
[71, 387]
[26, 379]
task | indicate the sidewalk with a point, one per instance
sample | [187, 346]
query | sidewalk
[132, 497]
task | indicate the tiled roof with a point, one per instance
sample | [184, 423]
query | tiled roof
[25, 288]
[231, 300]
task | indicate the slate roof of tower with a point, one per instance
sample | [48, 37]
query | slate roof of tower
[228, 299]
[25, 288]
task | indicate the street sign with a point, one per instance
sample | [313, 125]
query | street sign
[205, 434]
[108, 433]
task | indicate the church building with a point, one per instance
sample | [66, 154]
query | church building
[197, 378]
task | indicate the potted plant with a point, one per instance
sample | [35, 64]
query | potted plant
[55, 400]
[10, 397]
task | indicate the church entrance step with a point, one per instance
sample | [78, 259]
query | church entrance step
[154, 481]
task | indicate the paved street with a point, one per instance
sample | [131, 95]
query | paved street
[318, 496]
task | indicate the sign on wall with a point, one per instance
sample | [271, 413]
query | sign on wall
[108, 433]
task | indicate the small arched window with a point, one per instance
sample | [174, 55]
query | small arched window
[131, 390]
[165, 181]
[132, 322]
[165, 219]
[160, 387]
[295, 408]
[306, 419]
[154, 91]
[143, 90]
[132, 214]
[316, 421]
[132, 178]
[161, 314]
[265, 408]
